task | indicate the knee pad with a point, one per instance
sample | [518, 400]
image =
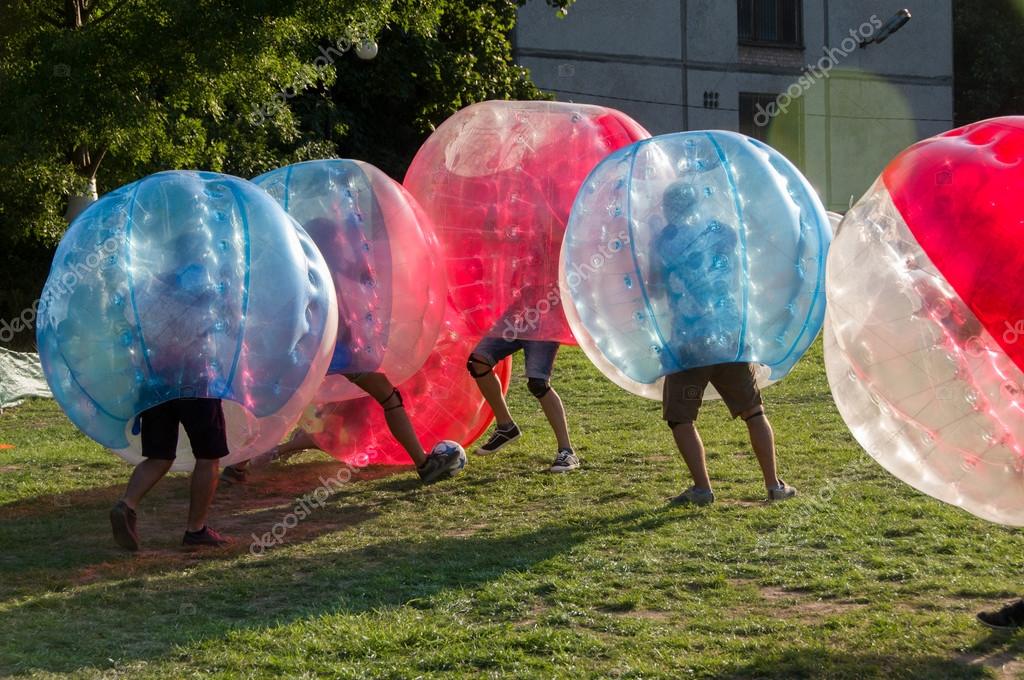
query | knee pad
[473, 366]
[538, 387]
[758, 414]
[394, 399]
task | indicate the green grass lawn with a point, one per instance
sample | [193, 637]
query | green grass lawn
[508, 570]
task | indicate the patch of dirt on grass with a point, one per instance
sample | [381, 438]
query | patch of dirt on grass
[740, 503]
[10, 468]
[645, 614]
[84, 500]
[532, 617]
[468, 530]
[1005, 665]
[797, 605]
[802, 606]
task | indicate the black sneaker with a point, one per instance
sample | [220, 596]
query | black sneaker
[234, 475]
[205, 537]
[1009, 617]
[122, 521]
[502, 437]
[565, 461]
[438, 466]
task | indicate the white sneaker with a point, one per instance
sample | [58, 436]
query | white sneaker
[781, 492]
[565, 460]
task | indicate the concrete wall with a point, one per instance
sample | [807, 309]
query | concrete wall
[655, 59]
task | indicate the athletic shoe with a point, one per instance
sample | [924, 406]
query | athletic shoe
[502, 437]
[1009, 617]
[234, 475]
[694, 496]
[781, 492]
[122, 521]
[205, 538]
[565, 460]
[438, 466]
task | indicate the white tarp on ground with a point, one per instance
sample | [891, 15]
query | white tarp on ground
[21, 376]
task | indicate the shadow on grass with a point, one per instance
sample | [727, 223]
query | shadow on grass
[57, 541]
[821, 662]
[134, 619]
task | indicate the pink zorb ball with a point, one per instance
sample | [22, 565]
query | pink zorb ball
[925, 326]
[385, 263]
[498, 179]
[442, 400]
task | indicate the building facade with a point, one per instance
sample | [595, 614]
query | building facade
[809, 77]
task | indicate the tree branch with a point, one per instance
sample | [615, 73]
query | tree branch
[94, 166]
[109, 12]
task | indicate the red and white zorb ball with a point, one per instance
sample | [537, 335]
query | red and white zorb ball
[924, 341]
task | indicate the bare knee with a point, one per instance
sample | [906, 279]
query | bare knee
[207, 464]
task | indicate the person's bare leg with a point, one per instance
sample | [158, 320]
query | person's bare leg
[490, 388]
[203, 487]
[299, 441]
[762, 439]
[690, 445]
[145, 475]
[551, 403]
[380, 388]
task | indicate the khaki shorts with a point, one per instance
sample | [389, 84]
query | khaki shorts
[684, 391]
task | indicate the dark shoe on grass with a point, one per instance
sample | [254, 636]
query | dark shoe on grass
[440, 466]
[122, 522]
[1010, 617]
[234, 475]
[205, 538]
[502, 437]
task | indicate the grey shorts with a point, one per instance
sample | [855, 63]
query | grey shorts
[540, 355]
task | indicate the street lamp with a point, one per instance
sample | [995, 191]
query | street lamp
[898, 21]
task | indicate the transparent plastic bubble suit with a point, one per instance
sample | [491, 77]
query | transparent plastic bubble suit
[693, 249]
[498, 179]
[651, 391]
[186, 284]
[442, 400]
[924, 344]
[385, 260]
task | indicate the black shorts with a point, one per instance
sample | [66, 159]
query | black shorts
[203, 420]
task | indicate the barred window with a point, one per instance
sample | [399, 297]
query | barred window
[771, 22]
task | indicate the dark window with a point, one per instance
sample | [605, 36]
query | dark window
[762, 118]
[771, 22]
[710, 99]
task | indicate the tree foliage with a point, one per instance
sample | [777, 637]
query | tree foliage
[118, 89]
[989, 71]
